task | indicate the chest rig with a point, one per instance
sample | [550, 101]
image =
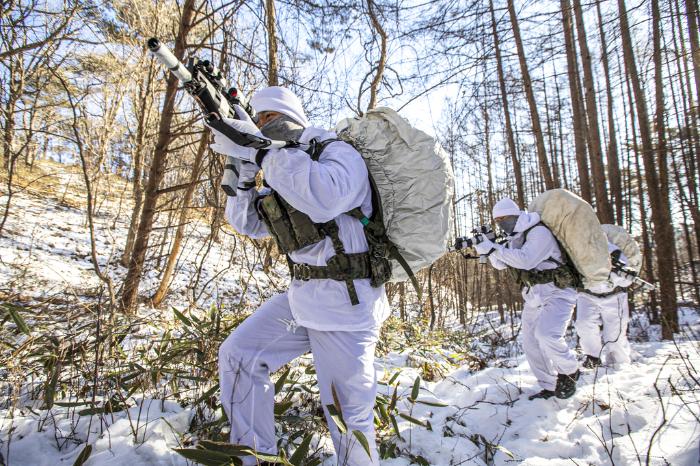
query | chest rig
[563, 276]
[293, 230]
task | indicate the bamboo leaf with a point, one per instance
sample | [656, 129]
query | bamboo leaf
[83, 456]
[208, 457]
[182, 318]
[206, 395]
[282, 407]
[394, 377]
[363, 441]
[432, 403]
[413, 420]
[505, 450]
[337, 418]
[280, 382]
[396, 426]
[17, 319]
[225, 447]
[415, 391]
[394, 398]
[302, 451]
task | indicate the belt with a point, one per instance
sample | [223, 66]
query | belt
[341, 267]
[618, 289]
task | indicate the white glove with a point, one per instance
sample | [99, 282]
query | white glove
[622, 280]
[246, 179]
[485, 246]
[224, 145]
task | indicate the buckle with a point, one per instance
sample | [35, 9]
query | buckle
[302, 272]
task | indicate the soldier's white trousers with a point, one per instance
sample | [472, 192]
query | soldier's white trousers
[546, 315]
[612, 312]
[266, 341]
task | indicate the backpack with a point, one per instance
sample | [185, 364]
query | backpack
[629, 247]
[575, 225]
[412, 188]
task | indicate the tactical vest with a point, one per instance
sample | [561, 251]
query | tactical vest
[294, 230]
[563, 276]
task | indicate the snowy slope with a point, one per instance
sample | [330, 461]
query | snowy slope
[650, 408]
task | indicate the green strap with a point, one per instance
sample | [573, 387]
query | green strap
[377, 232]
[333, 231]
[395, 254]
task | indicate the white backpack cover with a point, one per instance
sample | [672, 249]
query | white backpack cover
[575, 225]
[415, 182]
[623, 240]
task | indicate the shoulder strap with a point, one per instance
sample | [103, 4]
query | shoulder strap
[316, 147]
[526, 232]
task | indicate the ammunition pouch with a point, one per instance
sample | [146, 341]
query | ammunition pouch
[562, 277]
[291, 228]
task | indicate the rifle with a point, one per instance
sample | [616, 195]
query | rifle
[621, 268]
[206, 84]
[478, 233]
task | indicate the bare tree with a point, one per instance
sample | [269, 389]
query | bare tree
[532, 104]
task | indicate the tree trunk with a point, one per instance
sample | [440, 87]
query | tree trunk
[534, 114]
[655, 170]
[138, 156]
[613, 159]
[517, 171]
[374, 87]
[272, 64]
[691, 9]
[164, 286]
[129, 296]
[602, 203]
[579, 118]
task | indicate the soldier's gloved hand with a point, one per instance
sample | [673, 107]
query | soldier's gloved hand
[621, 279]
[485, 246]
[223, 145]
[246, 180]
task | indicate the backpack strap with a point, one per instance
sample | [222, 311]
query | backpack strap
[378, 242]
[316, 147]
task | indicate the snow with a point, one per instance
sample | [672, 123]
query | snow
[484, 415]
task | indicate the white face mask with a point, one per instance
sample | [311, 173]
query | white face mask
[508, 224]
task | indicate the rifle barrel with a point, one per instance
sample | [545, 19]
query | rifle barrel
[166, 57]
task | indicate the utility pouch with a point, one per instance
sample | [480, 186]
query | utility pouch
[380, 267]
[291, 228]
[306, 232]
[565, 278]
[277, 222]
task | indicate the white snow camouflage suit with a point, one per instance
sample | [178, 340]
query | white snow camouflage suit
[547, 310]
[314, 315]
[612, 311]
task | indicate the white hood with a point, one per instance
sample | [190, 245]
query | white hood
[525, 221]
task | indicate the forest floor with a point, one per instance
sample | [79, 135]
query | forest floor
[68, 395]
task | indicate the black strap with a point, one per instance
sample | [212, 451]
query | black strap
[316, 147]
[333, 231]
[616, 290]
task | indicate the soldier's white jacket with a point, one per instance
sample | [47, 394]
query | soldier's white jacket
[535, 253]
[324, 190]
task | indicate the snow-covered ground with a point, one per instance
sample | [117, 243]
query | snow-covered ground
[647, 412]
